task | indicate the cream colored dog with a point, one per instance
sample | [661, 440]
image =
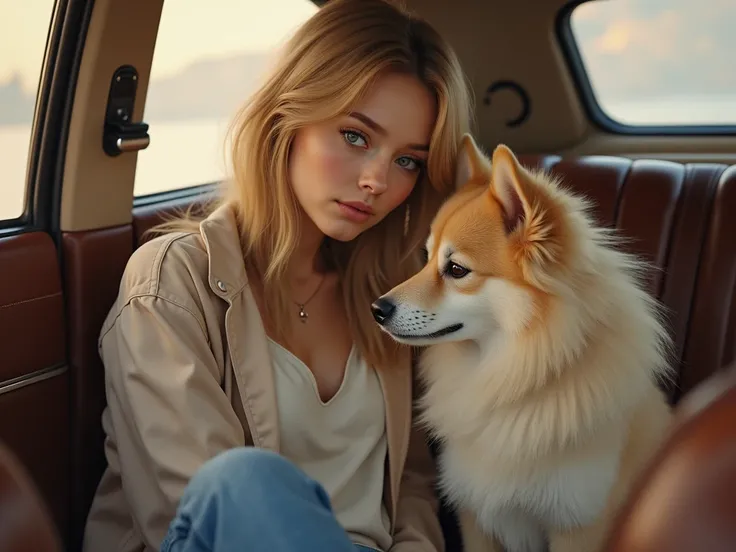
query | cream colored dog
[543, 357]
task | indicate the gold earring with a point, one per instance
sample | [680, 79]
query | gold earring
[407, 217]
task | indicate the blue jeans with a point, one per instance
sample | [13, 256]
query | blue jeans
[252, 500]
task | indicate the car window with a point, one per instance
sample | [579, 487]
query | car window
[659, 62]
[209, 57]
[24, 29]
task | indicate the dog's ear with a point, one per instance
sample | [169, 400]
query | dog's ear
[472, 164]
[508, 186]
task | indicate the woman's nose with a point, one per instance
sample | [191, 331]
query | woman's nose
[374, 177]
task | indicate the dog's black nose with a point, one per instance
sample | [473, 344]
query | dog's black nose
[382, 310]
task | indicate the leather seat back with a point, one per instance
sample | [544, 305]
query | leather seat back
[677, 217]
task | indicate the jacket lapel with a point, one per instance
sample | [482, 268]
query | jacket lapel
[396, 386]
[246, 336]
[251, 361]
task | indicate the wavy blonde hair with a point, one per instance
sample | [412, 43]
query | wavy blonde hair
[325, 68]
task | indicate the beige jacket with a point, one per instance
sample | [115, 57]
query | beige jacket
[188, 375]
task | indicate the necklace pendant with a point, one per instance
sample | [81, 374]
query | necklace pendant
[303, 314]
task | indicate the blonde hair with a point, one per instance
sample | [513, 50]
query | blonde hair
[326, 67]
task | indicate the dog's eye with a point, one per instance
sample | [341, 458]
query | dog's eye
[455, 270]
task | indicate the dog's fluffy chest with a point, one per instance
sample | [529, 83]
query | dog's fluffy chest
[558, 494]
[502, 460]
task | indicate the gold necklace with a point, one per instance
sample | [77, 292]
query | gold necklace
[303, 314]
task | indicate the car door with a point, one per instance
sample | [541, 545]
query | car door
[35, 376]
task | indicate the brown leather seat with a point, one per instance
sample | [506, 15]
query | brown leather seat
[25, 522]
[686, 502]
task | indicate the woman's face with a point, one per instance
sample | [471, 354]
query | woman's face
[352, 171]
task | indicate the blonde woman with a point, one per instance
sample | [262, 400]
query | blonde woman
[253, 402]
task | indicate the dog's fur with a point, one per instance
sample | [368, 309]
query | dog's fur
[544, 353]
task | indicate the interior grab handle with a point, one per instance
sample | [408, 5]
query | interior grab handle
[120, 134]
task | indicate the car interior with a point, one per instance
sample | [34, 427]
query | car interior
[112, 116]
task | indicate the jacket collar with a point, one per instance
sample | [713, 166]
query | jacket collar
[221, 236]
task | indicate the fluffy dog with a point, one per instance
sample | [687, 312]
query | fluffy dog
[543, 354]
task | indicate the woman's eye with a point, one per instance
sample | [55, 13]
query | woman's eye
[353, 138]
[408, 163]
[455, 270]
